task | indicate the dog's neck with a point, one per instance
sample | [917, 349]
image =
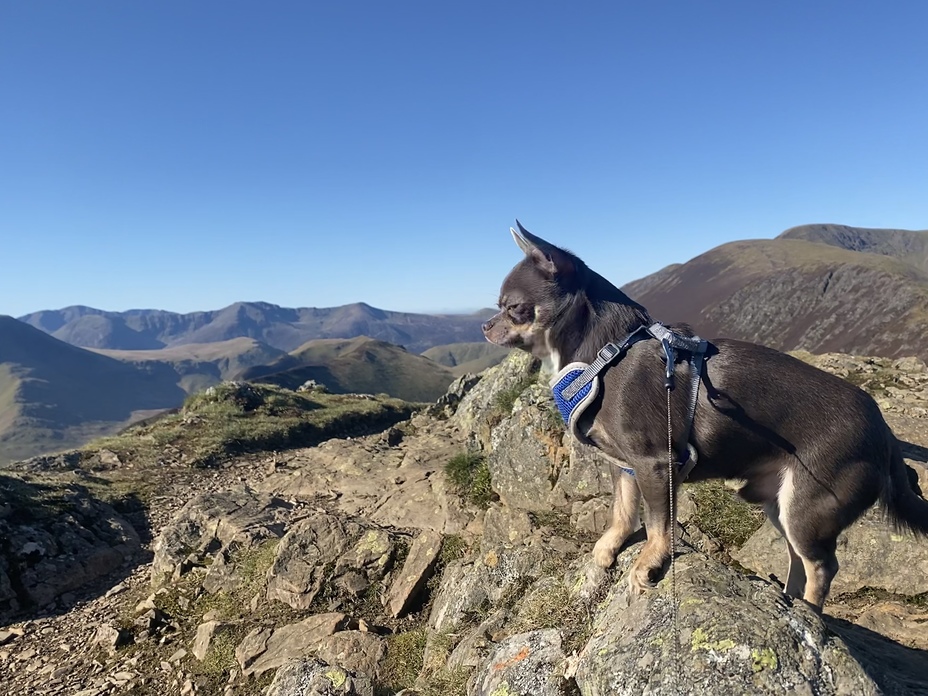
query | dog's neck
[596, 314]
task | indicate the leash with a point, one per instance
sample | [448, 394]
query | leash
[673, 550]
[668, 387]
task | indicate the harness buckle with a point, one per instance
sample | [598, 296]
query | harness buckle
[608, 352]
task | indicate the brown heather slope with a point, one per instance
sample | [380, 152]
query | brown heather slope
[908, 245]
[357, 365]
[795, 294]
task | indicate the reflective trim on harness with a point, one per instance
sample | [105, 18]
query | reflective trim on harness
[577, 385]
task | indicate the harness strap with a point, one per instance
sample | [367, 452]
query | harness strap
[577, 385]
[606, 355]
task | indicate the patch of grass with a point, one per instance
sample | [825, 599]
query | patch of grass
[405, 652]
[229, 419]
[452, 548]
[506, 399]
[438, 679]
[720, 514]
[220, 658]
[447, 683]
[469, 474]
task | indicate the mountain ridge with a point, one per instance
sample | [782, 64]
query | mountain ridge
[283, 328]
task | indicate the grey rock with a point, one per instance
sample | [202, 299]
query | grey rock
[357, 651]
[587, 474]
[448, 403]
[736, 635]
[397, 487]
[469, 584]
[416, 570]
[504, 526]
[871, 553]
[314, 677]
[59, 540]
[474, 647]
[592, 515]
[264, 649]
[304, 560]
[214, 523]
[370, 556]
[477, 411]
[111, 638]
[527, 664]
[526, 454]
[206, 632]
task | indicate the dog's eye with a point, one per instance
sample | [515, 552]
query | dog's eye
[521, 313]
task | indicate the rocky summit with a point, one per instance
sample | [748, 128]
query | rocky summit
[442, 553]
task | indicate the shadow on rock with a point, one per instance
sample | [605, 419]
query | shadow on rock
[894, 667]
[58, 540]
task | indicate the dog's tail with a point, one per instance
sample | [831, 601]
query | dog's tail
[901, 498]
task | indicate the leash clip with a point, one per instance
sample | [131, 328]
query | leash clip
[669, 354]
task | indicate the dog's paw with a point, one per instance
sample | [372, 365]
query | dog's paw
[604, 552]
[639, 580]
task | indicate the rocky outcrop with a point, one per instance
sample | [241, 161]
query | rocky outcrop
[55, 541]
[354, 567]
[316, 678]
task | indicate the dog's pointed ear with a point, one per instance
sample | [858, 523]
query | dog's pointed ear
[553, 262]
[531, 238]
[549, 259]
[524, 245]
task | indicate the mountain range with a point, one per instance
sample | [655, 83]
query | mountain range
[70, 374]
[279, 327]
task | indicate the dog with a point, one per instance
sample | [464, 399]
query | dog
[813, 450]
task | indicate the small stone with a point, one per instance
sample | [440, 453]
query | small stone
[188, 688]
[205, 634]
[146, 604]
[116, 589]
[177, 656]
[111, 638]
[26, 654]
[8, 637]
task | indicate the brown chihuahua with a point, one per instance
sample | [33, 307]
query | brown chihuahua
[812, 449]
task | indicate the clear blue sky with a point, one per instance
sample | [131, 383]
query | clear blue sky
[186, 155]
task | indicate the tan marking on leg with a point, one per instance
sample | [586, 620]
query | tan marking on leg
[653, 555]
[625, 520]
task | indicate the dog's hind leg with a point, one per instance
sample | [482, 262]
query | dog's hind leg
[796, 576]
[625, 518]
[809, 525]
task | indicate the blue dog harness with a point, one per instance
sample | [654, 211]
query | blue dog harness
[577, 385]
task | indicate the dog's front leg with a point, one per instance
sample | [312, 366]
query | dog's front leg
[653, 482]
[625, 519]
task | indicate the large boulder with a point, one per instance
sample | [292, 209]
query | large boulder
[580, 630]
[491, 400]
[734, 634]
[313, 677]
[55, 540]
